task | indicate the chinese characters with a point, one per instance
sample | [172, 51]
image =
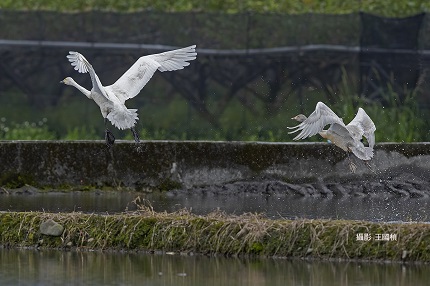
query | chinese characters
[376, 237]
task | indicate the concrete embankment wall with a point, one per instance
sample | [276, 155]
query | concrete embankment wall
[304, 168]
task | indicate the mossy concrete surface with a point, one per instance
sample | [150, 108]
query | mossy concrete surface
[217, 233]
[186, 165]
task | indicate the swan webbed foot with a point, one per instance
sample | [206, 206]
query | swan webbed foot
[110, 139]
[135, 135]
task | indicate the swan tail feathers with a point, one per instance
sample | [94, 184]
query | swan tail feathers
[123, 118]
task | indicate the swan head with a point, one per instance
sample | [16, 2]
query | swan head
[68, 81]
[299, 118]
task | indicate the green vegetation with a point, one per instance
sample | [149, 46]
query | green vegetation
[387, 7]
[396, 120]
[218, 233]
[25, 130]
[13, 180]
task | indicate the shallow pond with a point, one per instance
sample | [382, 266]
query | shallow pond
[356, 208]
[31, 267]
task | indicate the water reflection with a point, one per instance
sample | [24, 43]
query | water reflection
[30, 267]
[83, 201]
[356, 208]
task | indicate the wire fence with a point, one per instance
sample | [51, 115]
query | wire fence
[247, 59]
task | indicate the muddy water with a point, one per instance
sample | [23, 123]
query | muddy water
[29, 267]
[356, 208]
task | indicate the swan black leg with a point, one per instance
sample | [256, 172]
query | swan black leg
[110, 139]
[135, 135]
[368, 166]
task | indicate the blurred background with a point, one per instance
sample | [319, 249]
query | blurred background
[259, 63]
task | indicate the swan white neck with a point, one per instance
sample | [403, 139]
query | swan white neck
[80, 88]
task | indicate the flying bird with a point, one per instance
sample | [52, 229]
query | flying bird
[347, 137]
[111, 98]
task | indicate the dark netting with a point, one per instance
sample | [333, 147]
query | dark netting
[389, 55]
[390, 33]
[211, 30]
[249, 57]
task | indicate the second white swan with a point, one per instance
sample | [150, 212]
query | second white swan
[347, 137]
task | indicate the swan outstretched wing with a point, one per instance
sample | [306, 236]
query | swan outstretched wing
[82, 65]
[138, 75]
[315, 123]
[79, 62]
[361, 126]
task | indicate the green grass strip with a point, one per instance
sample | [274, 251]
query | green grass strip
[395, 8]
[218, 233]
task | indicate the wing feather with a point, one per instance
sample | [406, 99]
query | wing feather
[362, 125]
[79, 62]
[82, 65]
[138, 75]
[316, 122]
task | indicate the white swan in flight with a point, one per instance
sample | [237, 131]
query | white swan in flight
[111, 98]
[347, 137]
